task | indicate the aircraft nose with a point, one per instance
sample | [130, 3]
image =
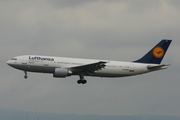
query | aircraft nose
[9, 62]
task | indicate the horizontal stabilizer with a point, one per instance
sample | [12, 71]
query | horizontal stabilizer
[157, 67]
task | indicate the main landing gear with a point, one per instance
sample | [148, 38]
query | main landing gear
[25, 76]
[82, 80]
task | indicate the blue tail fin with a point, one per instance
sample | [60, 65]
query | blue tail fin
[156, 54]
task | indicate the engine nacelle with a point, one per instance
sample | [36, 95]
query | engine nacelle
[62, 72]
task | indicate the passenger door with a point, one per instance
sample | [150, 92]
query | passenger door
[131, 68]
[24, 61]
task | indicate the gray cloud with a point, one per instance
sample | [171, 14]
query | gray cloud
[69, 3]
[174, 3]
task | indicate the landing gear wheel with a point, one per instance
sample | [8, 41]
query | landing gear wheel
[81, 81]
[25, 77]
[84, 81]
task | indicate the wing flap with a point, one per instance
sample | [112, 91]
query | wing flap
[90, 69]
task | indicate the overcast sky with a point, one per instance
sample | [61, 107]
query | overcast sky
[101, 29]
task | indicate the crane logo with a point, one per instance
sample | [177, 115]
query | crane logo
[158, 52]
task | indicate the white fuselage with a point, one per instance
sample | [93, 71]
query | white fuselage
[48, 64]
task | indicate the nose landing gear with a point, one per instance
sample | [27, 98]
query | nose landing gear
[25, 76]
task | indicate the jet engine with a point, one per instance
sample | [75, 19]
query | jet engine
[62, 72]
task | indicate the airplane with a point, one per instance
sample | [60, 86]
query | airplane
[62, 67]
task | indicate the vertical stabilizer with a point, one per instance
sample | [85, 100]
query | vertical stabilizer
[156, 54]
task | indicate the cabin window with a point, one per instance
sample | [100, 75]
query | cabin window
[14, 59]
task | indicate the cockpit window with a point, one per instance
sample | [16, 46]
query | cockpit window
[14, 59]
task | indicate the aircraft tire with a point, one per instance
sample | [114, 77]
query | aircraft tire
[81, 81]
[84, 81]
[25, 77]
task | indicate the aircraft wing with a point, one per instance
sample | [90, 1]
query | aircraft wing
[157, 67]
[89, 69]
